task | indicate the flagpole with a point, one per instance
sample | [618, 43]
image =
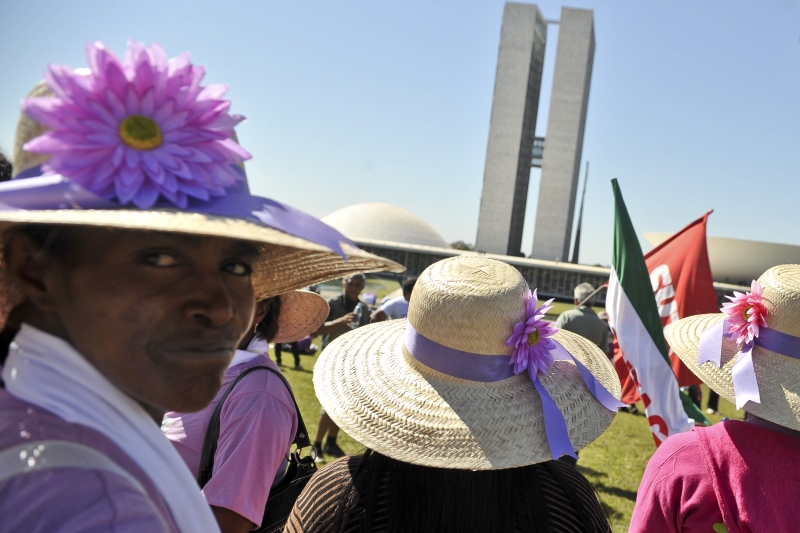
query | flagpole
[577, 247]
[598, 289]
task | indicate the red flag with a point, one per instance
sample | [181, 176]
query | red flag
[681, 278]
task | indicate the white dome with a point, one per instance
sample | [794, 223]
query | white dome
[384, 222]
[739, 261]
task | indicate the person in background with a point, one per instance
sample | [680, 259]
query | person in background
[583, 320]
[258, 422]
[712, 407]
[602, 315]
[396, 307]
[347, 312]
[294, 347]
[736, 475]
[6, 169]
[456, 441]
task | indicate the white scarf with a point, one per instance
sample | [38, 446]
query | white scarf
[46, 371]
[254, 349]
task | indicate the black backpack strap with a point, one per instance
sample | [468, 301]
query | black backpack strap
[301, 439]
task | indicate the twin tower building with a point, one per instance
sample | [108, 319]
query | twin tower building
[513, 149]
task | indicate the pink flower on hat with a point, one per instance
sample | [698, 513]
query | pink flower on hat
[531, 339]
[140, 130]
[746, 314]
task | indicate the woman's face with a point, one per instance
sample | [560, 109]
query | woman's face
[159, 314]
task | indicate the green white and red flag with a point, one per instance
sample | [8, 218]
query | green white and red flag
[635, 320]
[680, 275]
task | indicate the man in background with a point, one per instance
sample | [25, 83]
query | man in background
[347, 313]
[583, 320]
[396, 307]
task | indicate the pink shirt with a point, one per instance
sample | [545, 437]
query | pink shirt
[743, 475]
[74, 500]
[257, 426]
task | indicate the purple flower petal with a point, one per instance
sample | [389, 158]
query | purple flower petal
[191, 158]
[146, 196]
[132, 158]
[132, 106]
[174, 121]
[147, 103]
[119, 154]
[215, 91]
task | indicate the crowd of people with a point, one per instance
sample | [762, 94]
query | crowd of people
[142, 284]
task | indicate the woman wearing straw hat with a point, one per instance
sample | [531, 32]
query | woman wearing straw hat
[132, 256]
[735, 476]
[463, 407]
[259, 421]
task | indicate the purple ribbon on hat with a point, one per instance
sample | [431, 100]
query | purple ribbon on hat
[491, 368]
[32, 191]
[745, 384]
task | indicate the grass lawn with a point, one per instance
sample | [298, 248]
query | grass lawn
[614, 463]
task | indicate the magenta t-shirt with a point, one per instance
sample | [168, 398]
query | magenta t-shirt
[739, 477]
[73, 500]
[257, 426]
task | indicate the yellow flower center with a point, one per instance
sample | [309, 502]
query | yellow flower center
[744, 314]
[140, 133]
[533, 337]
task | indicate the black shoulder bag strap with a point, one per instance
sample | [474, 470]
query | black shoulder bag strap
[301, 439]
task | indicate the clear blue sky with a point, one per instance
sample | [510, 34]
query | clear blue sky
[694, 105]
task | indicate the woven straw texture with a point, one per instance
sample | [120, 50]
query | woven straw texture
[388, 401]
[778, 376]
[302, 312]
[28, 129]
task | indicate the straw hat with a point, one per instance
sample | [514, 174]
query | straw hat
[778, 376]
[374, 389]
[297, 250]
[302, 312]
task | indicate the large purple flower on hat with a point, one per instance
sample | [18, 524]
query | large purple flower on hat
[531, 339]
[138, 131]
[746, 314]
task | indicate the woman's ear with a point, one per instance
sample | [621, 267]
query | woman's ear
[27, 264]
[261, 310]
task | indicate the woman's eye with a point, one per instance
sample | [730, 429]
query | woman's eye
[238, 269]
[160, 259]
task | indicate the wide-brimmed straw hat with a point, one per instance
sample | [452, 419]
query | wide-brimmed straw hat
[141, 145]
[775, 373]
[464, 310]
[302, 312]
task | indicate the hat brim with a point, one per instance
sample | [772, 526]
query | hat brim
[386, 400]
[778, 376]
[286, 263]
[302, 312]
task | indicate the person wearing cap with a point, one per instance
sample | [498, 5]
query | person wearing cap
[132, 254]
[396, 307]
[583, 320]
[735, 476]
[462, 408]
[258, 422]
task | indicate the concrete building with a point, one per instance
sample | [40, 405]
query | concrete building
[511, 130]
[565, 126]
[512, 148]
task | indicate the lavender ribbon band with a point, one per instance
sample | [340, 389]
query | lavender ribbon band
[31, 191]
[491, 368]
[745, 384]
